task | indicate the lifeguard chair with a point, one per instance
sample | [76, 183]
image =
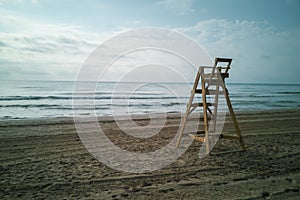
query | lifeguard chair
[212, 85]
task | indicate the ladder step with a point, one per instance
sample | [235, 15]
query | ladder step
[202, 133]
[213, 81]
[197, 138]
[209, 92]
[215, 76]
[200, 138]
[198, 91]
[201, 104]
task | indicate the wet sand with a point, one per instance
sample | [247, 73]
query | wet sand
[45, 159]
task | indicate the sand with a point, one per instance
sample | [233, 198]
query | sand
[45, 159]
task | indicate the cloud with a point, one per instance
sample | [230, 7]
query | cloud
[19, 1]
[261, 52]
[2, 44]
[182, 7]
[36, 46]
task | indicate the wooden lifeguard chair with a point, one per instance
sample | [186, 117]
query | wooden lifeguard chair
[212, 84]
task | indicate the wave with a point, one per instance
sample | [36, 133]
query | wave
[109, 93]
[20, 98]
[262, 96]
[56, 107]
[88, 107]
[28, 106]
[26, 98]
[173, 104]
[286, 101]
[288, 92]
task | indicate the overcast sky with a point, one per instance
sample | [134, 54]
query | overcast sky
[50, 39]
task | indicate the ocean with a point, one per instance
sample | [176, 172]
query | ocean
[47, 99]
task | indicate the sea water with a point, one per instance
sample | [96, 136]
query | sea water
[42, 99]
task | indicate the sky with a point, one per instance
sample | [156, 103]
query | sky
[51, 39]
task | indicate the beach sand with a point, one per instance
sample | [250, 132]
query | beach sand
[45, 159]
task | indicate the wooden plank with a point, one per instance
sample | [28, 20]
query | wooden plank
[228, 60]
[205, 115]
[213, 82]
[197, 138]
[235, 123]
[183, 123]
[225, 60]
[210, 92]
[216, 108]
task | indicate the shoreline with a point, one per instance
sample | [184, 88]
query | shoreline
[107, 118]
[169, 113]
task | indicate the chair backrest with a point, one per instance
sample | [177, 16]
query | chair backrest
[223, 65]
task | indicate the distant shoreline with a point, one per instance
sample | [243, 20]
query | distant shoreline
[227, 82]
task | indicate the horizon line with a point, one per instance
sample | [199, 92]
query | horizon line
[170, 82]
